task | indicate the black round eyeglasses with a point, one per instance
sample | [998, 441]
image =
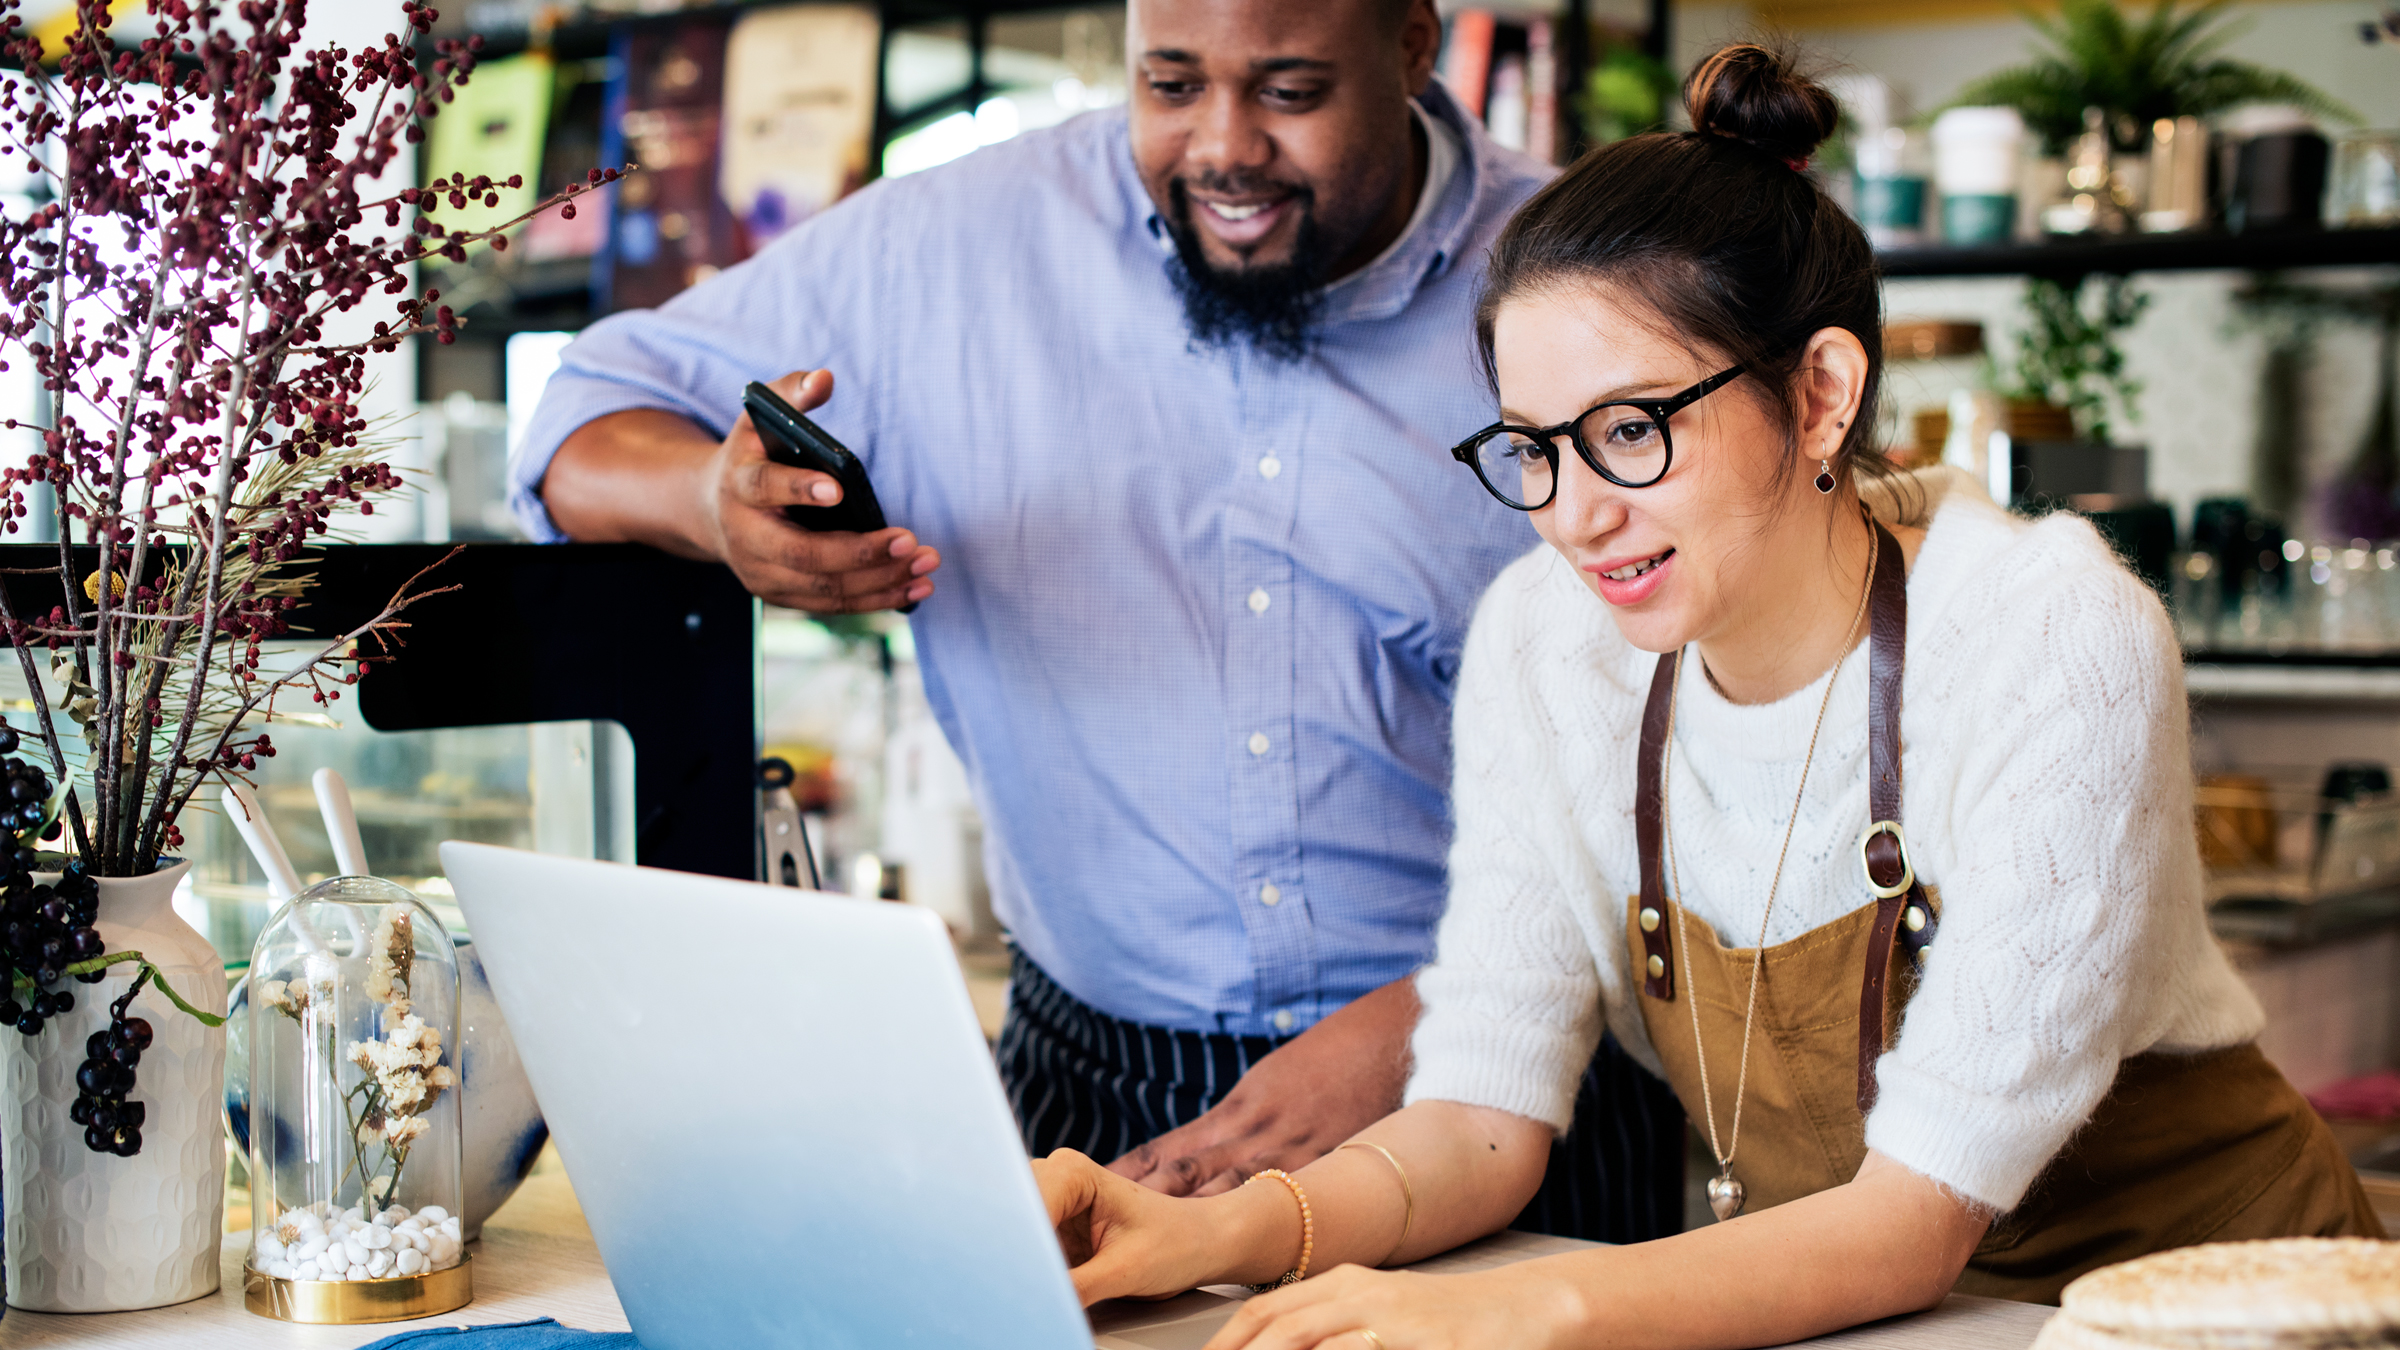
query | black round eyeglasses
[1625, 442]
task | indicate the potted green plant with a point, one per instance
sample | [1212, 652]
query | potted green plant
[2069, 368]
[1626, 94]
[2137, 71]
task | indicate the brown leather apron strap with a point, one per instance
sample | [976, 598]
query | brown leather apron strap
[1883, 850]
[1658, 953]
[1901, 911]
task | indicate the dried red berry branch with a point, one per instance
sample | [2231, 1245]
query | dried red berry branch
[192, 287]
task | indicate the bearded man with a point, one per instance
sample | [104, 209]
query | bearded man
[1164, 392]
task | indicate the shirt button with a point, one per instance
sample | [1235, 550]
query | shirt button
[1259, 600]
[1258, 742]
[1269, 467]
[1270, 895]
[1283, 1019]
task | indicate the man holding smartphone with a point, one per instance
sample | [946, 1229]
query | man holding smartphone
[1165, 394]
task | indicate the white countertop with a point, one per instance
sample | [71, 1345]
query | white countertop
[536, 1259]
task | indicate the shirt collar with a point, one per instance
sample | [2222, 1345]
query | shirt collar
[1428, 250]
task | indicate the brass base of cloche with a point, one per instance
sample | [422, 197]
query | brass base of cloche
[352, 1302]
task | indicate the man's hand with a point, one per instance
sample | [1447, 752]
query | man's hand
[1340, 1076]
[653, 477]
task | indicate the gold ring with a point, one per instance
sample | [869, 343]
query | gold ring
[1373, 1339]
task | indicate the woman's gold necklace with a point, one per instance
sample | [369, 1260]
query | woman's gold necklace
[1725, 1193]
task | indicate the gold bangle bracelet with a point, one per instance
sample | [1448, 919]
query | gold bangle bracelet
[1408, 1216]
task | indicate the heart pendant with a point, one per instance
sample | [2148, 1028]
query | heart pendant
[1724, 1196]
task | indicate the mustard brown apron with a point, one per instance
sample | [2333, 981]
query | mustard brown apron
[2184, 1149]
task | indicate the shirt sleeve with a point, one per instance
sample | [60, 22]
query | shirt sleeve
[1511, 1004]
[2070, 910]
[789, 308]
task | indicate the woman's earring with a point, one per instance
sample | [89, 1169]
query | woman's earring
[1824, 476]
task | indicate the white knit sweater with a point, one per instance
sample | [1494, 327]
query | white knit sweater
[2047, 792]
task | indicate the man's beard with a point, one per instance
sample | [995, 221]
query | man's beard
[1272, 306]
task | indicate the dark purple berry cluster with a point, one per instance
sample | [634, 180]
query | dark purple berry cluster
[43, 929]
[24, 806]
[110, 1123]
[46, 928]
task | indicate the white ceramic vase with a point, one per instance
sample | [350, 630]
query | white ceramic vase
[92, 1232]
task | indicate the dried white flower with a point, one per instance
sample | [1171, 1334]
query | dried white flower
[394, 952]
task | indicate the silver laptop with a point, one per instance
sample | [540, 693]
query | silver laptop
[780, 1114]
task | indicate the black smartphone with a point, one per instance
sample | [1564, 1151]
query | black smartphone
[792, 439]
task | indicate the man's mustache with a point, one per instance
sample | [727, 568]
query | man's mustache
[1238, 185]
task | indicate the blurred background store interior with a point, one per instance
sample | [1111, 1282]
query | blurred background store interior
[2195, 342]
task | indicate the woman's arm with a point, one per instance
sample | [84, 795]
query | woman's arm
[1889, 1242]
[1471, 1169]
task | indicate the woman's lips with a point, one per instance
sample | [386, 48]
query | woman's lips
[1632, 590]
[1241, 224]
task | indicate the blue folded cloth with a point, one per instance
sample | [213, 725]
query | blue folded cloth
[542, 1333]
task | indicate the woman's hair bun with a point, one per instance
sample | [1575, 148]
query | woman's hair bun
[1755, 95]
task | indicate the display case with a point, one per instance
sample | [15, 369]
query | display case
[356, 1195]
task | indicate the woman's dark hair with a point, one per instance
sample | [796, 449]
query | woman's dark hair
[1719, 231]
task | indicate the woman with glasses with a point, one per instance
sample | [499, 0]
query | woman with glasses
[1858, 808]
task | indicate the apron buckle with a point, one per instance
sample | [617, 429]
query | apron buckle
[1908, 871]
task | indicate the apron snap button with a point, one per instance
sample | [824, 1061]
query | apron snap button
[1915, 918]
[1658, 966]
[1649, 920]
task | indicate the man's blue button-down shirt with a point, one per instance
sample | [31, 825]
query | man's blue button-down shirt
[1199, 613]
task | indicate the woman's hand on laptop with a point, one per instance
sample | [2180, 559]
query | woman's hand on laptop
[1124, 1240]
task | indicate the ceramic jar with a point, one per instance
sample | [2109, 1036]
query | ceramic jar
[94, 1232]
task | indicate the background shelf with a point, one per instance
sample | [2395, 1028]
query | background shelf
[2069, 258]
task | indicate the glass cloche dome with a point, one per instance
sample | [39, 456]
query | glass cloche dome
[356, 1197]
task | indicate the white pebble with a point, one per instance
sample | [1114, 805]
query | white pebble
[433, 1214]
[445, 1252]
[330, 1273]
[453, 1226]
[379, 1264]
[410, 1261]
[391, 1217]
[358, 1272]
[373, 1237]
[310, 1249]
[281, 1270]
[268, 1249]
[355, 1250]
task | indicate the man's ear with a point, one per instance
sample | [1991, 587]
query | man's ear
[1420, 43]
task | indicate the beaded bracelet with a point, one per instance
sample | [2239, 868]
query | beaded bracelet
[1308, 1231]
